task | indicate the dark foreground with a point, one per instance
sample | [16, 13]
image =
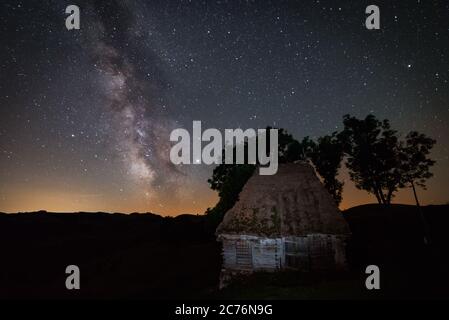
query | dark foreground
[147, 256]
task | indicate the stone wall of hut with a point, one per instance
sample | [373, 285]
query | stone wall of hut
[313, 252]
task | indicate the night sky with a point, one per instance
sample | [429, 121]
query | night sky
[85, 115]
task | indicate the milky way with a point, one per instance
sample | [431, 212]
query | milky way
[140, 134]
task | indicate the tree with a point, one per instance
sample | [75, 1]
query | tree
[415, 163]
[288, 146]
[228, 180]
[379, 162]
[371, 148]
[415, 169]
[326, 156]
[305, 148]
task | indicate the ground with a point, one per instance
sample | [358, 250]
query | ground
[147, 256]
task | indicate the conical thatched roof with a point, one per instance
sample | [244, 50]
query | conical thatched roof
[293, 202]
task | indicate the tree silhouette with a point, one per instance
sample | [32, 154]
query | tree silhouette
[415, 169]
[370, 147]
[326, 155]
[288, 147]
[228, 180]
[379, 162]
[305, 148]
[415, 164]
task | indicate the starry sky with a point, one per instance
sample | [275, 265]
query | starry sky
[85, 115]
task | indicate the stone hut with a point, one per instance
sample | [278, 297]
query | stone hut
[284, 221]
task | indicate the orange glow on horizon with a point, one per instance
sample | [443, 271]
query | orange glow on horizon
[29, 198]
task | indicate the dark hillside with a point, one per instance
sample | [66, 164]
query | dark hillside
[393, 238]
[148, 256]
[137, 255]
